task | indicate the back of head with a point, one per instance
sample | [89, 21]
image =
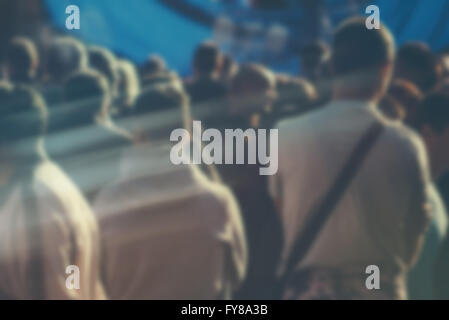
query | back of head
[252, 89]
[229, 68]
[22, 60]
[360, 55]
[154, 65]
[207, 59]
[86, 94]
[66, 56]
[408, 96]
[160, 109]
[315, 53]
[104, 62]
[314, 58]
[128, 84]
[23, 120]
[252, 79]
[416, 63]
[295, 96]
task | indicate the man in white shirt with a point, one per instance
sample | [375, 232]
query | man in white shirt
[169, 233]
[381, 218]
[49, 241]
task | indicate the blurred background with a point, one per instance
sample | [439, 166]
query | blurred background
[270, 31]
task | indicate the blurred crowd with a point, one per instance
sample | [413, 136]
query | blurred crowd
[86, 178]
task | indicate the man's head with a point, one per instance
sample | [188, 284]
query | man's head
[362, 60]
[86, 96]
[128, 85]
[433, 124]
[252, 89]
[295, 96]
[104, 61]
[23, 121]
[155, 71]
[160, 110]
[416, 63]
[314, 59]
[408, 96]
[66, 56]
[154, 65]
[21, 61]
[207, 60]
[229, 68]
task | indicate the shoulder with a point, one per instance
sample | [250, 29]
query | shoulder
[218, 200]
[54, 188]
[405, 141]
[302, 125]
[48, 172]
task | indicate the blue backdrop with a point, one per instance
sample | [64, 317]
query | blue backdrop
[135, 28]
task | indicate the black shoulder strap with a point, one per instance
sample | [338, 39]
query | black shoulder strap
[323, 208]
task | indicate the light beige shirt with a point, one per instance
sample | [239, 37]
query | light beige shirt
[60, 208]
[384, 212]
[169, 233]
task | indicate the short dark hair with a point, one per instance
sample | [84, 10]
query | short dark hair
[229, 67]
[169, 99]
[295, 95]
[408, 95]
[253, 78]
[128, 84]
[315, 53]
[154, 65]
[160, 98]
[416, 63]
[357, 49]
[88, 91]
[434, 111]
[21, 59]
[66, 56]
[24, 114]
[104, 62]
[206, 58]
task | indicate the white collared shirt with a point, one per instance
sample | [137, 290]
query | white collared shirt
[169, 233]
[383, 212]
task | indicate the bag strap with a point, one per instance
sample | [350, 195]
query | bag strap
[323, 208]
